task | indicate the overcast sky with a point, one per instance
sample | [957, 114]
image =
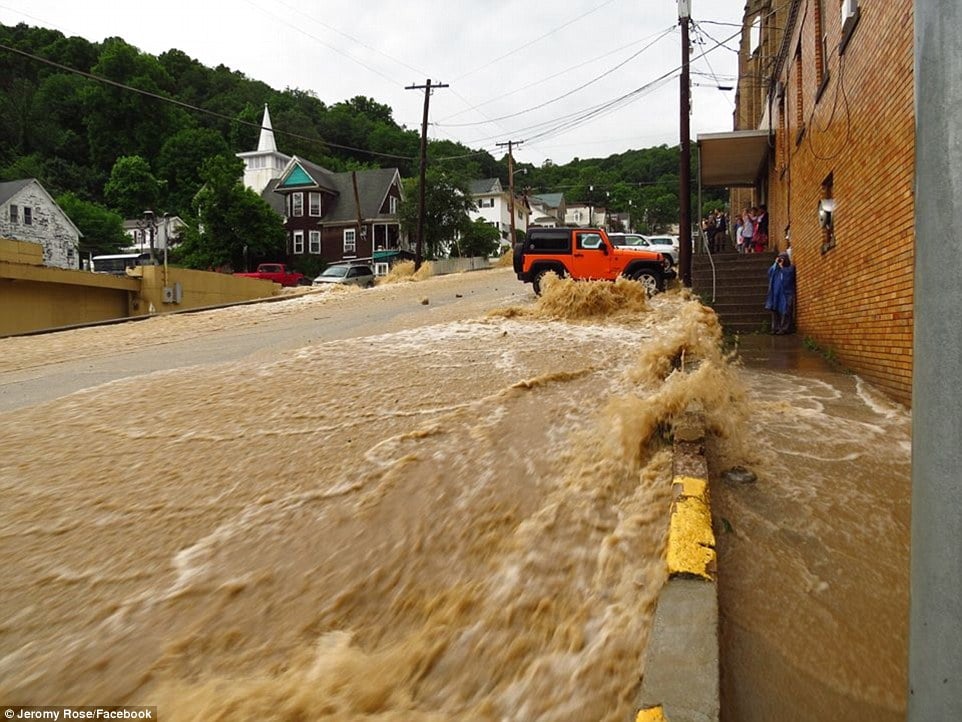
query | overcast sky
[508, 63]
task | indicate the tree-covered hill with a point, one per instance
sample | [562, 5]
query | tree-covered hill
[66, 128]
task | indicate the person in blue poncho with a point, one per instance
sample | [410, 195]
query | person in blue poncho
[781, 294]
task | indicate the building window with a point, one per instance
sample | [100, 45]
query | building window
[27, 216]
[297, 204]
[821, 49]
[315, 204]
[755, 34]
[350, 240]
[298, 242]
[850, 16]
[799, 106]
[315, 241]
[827, 221]
[392, 205]
[14, 214]
[381, 269]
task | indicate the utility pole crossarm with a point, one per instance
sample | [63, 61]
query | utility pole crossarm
[427, 87]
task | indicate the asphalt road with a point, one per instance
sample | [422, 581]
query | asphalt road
[35, 369]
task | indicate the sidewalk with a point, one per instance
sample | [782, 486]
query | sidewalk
[813, 558]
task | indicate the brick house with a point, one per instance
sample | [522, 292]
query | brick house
[29, 213]
[834, 128]
[337, 216]
[331, 217]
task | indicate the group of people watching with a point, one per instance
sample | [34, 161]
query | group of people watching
[751, 230]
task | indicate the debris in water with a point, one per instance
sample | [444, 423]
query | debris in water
[425, 301]
[739, 475]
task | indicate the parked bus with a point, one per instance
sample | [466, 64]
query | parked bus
[118, 263]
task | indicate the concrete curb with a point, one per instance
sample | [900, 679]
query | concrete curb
[681, 680]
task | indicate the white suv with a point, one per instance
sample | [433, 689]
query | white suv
[666, 245]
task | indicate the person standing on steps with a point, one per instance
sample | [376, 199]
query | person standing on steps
[748, 230]
[781, 295]
[761, 229]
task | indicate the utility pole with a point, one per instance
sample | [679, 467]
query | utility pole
[510, 144]
[684, 163]
[424, 164]
[935, 608]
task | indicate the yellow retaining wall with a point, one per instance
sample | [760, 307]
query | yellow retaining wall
[199, 289]
[35, 297]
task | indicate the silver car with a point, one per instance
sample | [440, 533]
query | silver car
[666, 245]
[355, 275]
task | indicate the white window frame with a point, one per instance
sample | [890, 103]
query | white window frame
[312, 196]
[350, 240]
[297, 204]
[298, 242]
[381, 268]
[14, 213]
[314, 242]
[392, 205]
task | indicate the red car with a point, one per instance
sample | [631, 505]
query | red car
[276, 272]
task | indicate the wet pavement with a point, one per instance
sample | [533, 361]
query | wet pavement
[813, 556]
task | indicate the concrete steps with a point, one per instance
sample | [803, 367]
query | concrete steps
[741, 285]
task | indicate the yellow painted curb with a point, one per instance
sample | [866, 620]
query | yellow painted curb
[691, 486]
[652, 714]
[691, 542]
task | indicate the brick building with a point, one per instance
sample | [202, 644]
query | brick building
[836, 130]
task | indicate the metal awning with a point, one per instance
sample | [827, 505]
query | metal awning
[735, 159]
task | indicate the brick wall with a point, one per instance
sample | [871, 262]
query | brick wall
[855, 297]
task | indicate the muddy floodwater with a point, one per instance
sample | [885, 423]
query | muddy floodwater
[443, 500]
[458, 520]
[814, 556]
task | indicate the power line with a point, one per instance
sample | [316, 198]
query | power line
[352, 38]
[188, 106]
[394, 82]
[570, 92]
[590, 114]
[532, 42]
[564, 71]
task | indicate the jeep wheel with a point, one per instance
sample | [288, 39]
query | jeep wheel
[539, 278]
[648, 279]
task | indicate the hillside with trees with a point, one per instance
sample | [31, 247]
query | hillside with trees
[111, 151]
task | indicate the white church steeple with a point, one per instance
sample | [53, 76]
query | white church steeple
[261, 166]
[266, 142]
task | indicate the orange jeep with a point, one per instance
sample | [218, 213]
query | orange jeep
[586, 254]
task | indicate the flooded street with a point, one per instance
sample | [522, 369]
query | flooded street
[459, 519]
[814, 556]
[433, 501]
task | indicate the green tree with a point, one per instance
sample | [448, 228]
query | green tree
[234, 222]
[446, 205]
[477, 239]
[103, 230]
[180, 161]
[132, 188]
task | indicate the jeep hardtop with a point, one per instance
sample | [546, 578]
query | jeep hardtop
[586, 254]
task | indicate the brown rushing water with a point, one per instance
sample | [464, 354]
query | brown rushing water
[461, 520]
[457, 521]
[814, 557]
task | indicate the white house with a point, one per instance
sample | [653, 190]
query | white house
[587, 216]
[547, 210]
[166, 230]
[493, 203]
[29, 213]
